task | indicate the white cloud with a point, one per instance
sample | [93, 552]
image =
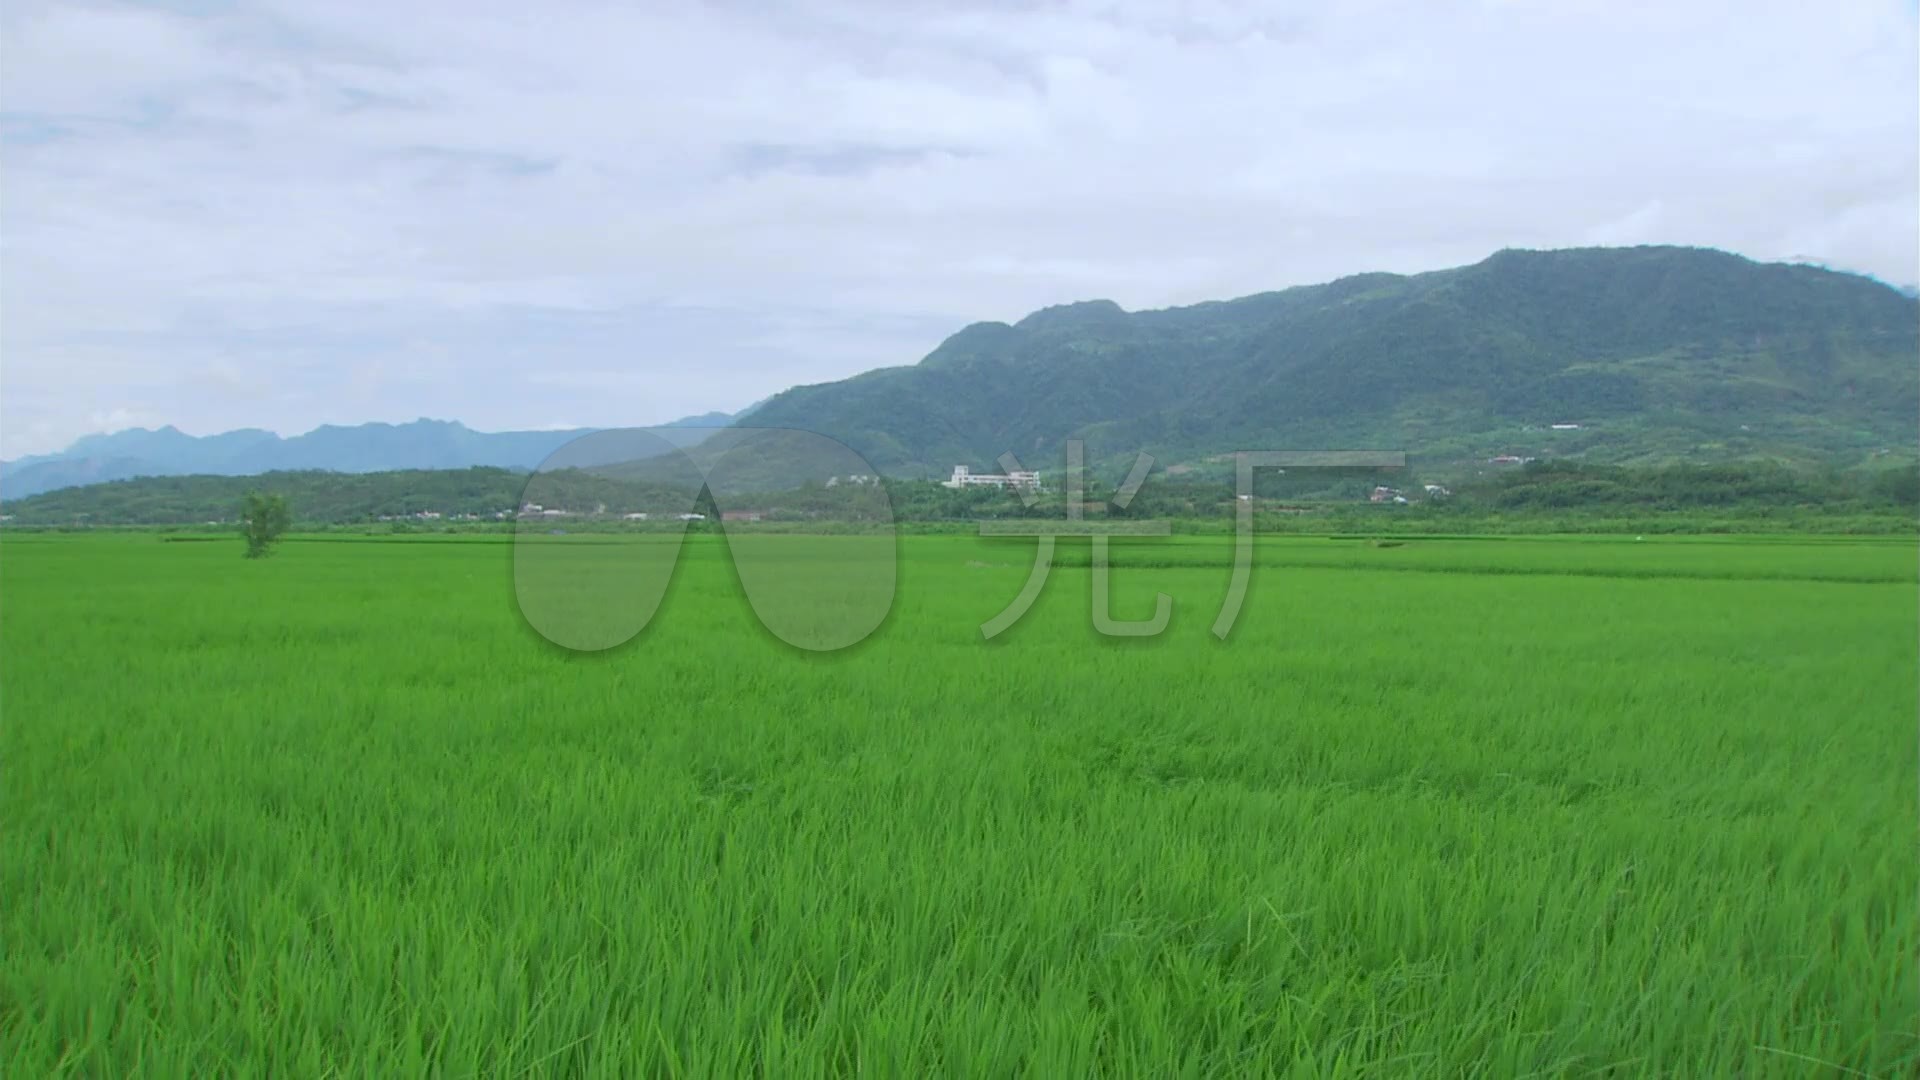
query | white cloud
[285, 214]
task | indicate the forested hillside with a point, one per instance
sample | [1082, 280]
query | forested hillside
[1658, 354]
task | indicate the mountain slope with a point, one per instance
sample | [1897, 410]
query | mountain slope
[1658, 353]
[422, 444]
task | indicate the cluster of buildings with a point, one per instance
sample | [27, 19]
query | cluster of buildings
[725, 515]
[964, 477]
[435, 515]
[1395, 495]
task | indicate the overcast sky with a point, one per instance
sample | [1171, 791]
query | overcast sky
[276, 214]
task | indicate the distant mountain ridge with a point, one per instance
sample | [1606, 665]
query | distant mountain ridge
[1658, 354]
[375, 447]
[1629, 356]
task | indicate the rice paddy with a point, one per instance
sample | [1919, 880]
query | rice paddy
[1450, 808]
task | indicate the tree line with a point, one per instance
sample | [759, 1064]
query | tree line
[481, 495]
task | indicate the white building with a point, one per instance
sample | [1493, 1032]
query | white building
[964, 477]
[636, 517]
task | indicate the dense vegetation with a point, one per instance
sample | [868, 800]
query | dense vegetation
[1517, 808]
[1764, 492]
[330, 497]
[1661, 354]
[264, 519]
[1561, 485]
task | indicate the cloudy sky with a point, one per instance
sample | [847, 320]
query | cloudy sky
[274, 214]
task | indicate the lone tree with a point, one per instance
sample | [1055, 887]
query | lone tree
[262, 519]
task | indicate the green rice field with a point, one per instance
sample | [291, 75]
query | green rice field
[1446, 807]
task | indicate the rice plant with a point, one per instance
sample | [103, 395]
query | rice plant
[1448, 808]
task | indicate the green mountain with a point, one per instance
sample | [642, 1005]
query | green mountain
[1658, 354]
